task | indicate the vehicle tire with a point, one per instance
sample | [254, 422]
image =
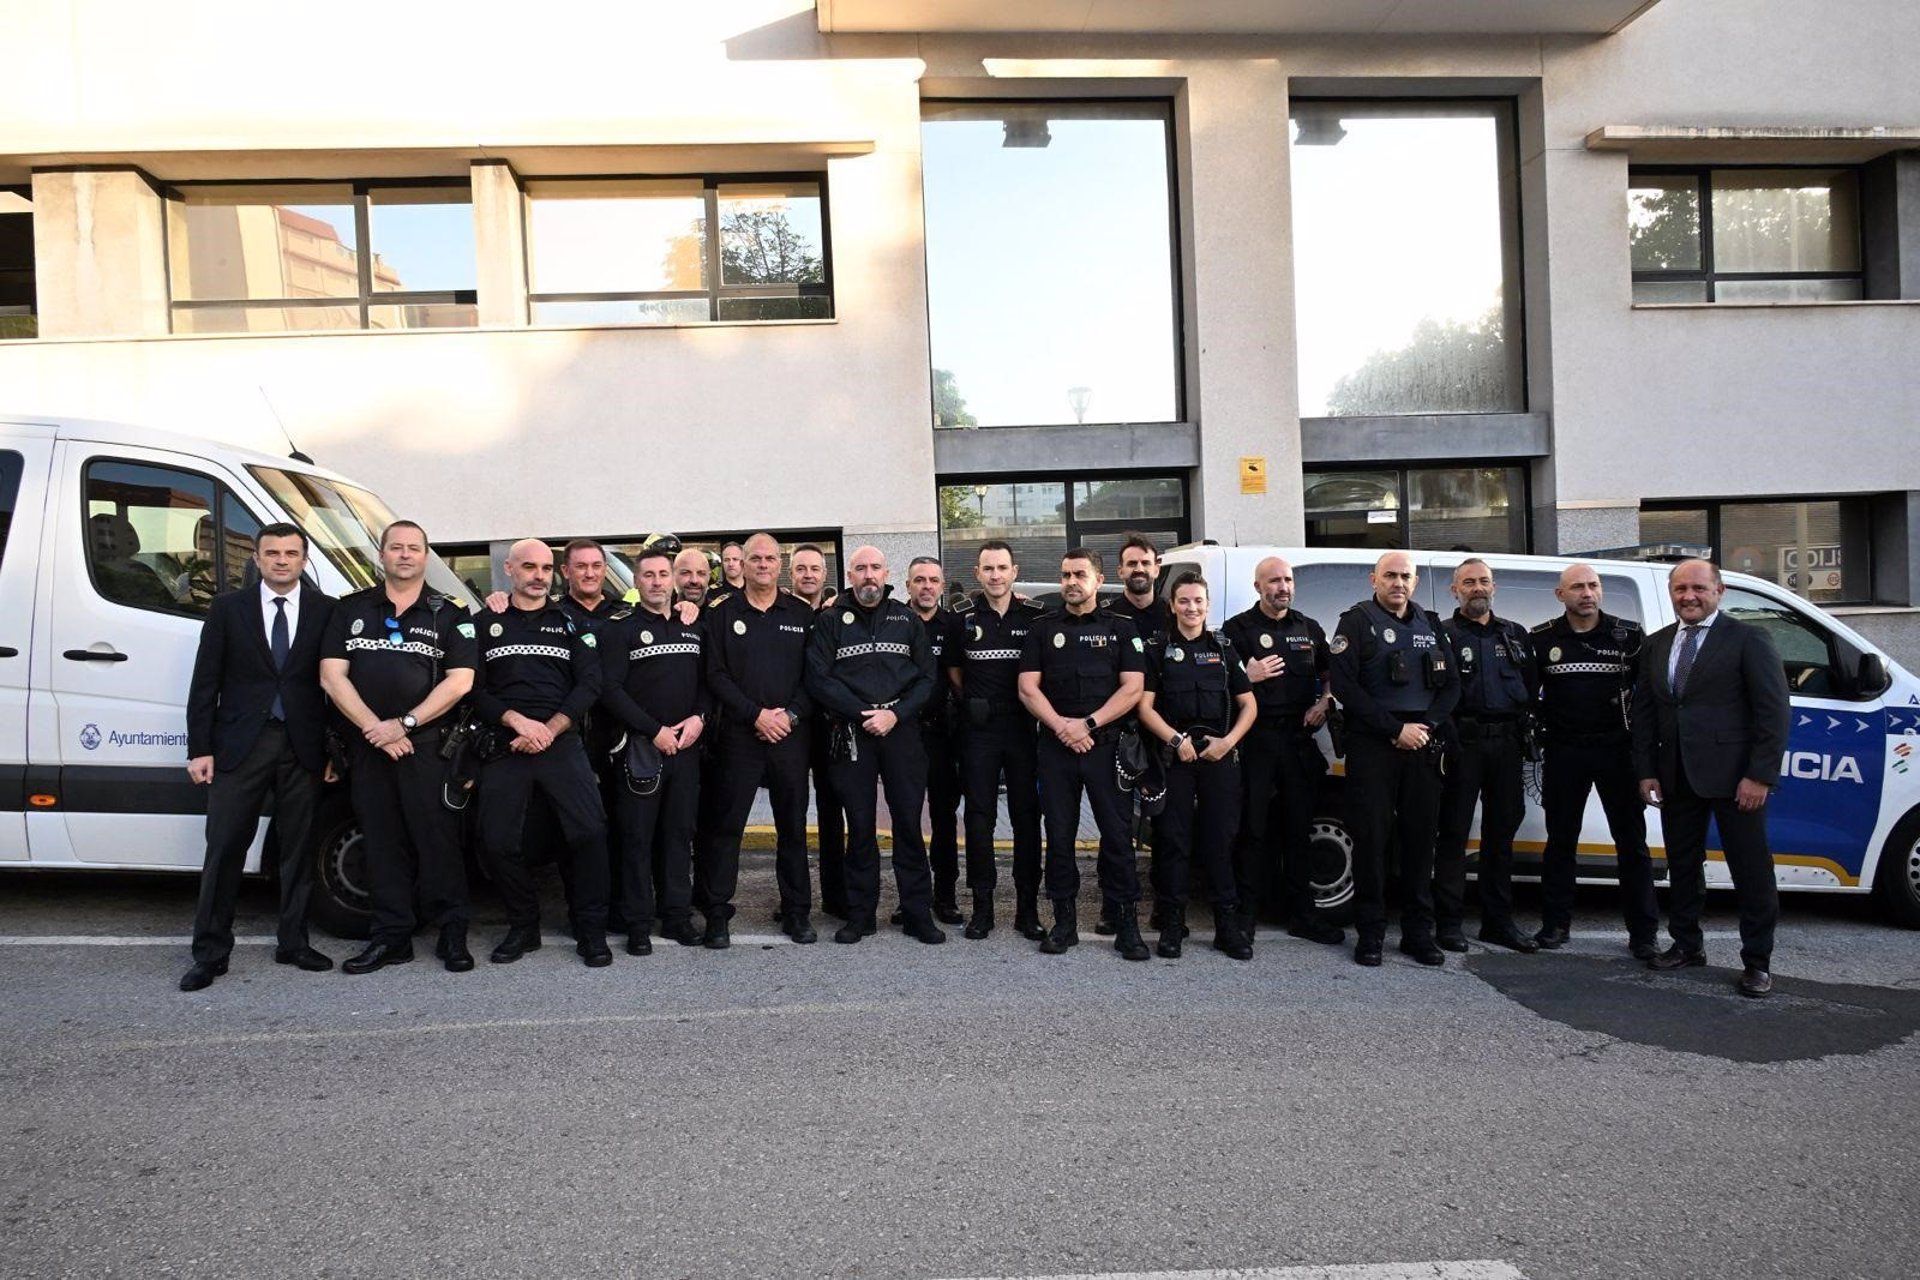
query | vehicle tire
[1896, 880]
[1330, 874]
[341, 903]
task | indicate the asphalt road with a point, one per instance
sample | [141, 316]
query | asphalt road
[970, 1110]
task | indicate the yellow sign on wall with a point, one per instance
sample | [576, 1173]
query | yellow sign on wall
[1253, 475]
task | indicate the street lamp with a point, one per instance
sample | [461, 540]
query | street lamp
[1079, 398]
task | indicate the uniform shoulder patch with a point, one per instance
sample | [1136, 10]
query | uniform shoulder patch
[1138, 645]
[590, 641]
[1338, 644]
[465, 629]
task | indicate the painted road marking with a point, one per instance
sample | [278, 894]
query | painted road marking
[266, 940]
[1359, 1271]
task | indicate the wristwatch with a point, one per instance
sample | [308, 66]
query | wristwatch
[408, 723]
[1093, 726]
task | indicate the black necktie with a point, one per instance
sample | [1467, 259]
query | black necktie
[1682, 665]
[282, 645]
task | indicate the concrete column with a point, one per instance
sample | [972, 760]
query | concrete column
[500, 238]
[1242, 387]
[99, 253]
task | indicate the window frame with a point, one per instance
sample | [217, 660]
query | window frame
[716, 291]
[1705, 274]
[1402, 473]
[368, 297]
[223, 493]
[1076, 528]
[1853, 506]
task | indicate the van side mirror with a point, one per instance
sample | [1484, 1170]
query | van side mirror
[1873, 674]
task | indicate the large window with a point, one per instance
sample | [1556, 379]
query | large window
[678, 250]
[1041, 517]
[1818, 549]
[164, 539]
[1434, 509]
[1051, 289]
[296, 256]
[16, 267]
[1406, 236]
[1744, 235]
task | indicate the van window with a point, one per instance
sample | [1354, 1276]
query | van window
[1806, 650]
[345, 524]
[1325, 591]
[11, 465]
[151, 540]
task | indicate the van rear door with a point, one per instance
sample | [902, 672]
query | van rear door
[25, 456]
[142, 541]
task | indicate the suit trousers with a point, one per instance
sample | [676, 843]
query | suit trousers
[1683, 819]
[234, 802]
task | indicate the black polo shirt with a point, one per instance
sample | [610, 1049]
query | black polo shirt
[391, 658]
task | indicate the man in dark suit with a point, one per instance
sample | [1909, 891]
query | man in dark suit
[1710, 721]
[256, 727]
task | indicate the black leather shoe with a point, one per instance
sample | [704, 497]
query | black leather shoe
[852, 931]
[718, 936]
[1450, 940]
[200, 976]
[305, 958]
[1367, 952]
[452, 948]
[686, 933]
[1644, 949]
[1316, 930]
[1167, 947]
[947, 911]
[1423, 950]
[980, 924]
[595, 952]
[1755, 983]
[1065, 933]
[796, 926]
[639, 944]
[1126, 937]
[1678, 957]
[922, 929]
[520, 939]
[1026, 920]
[1552, 938]
[1509, 937]
[1230, 937]
[379, 956]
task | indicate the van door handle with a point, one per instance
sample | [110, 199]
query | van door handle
[88, 655]
[8, 651]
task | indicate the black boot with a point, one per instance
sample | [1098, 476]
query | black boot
[520, 939]
[982, 922]
[1065, 932]
[1228, 936]
[452, 948]
[593, 949]
[946, 908]
[1126, 935]
[1026, 917]
[1109, 922]
[1173, 930]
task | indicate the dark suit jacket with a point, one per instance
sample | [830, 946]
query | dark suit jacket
[1732, 721]
[234, 680]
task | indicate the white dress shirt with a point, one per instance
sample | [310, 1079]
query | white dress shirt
[267, 597]
[1680, 638]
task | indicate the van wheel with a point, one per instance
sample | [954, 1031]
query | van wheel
[1896, 881]
[341, 904]
[1330, 873]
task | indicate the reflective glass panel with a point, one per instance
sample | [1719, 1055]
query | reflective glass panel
[770, 234]
[264, 319]
[424, 315]
[262, 242]
[617, 236]
[1787, 290]
[815, 307]
[1472, 508]
[1663, 222]
[1139, 498]
[1785, 220]
[655, 311]
[1405, 247]
[1050, 285]
[1803, 546]
[1031, 518]
[422, 239]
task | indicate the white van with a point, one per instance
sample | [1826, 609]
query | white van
[1846, 818]
[113, 539]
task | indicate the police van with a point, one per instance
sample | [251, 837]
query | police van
[1846, 817]
[113, 540]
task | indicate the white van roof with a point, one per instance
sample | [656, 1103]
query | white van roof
[97, 431]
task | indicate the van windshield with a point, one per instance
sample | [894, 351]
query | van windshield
[345, 524]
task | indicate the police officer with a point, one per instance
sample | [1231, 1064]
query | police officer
[1081, 675]
[1281, 763]
[1394, 678]
[693, 576]
[997, 740]
[538, 675]
[756, 668]
[1588, 662]
[655, 689]
[870, 668]
[939, 734]
[733, 565]
[1152, 621]
[808, 568]
[1200, 704]
[395, 659]
[1494, 663]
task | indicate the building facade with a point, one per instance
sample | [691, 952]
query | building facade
[1588, 275]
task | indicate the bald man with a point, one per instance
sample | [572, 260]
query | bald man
[692, 576]
[1395, 681]
[539, 672]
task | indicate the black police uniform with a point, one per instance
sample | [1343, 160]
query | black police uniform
[998, 741]
[1586, 689]
[829, 815]
[858, 659]
[598, 736]
[1153, 623]
[1281, 763]
[655, 677]
[1388, 671]
[756, 658]
[940, 738]
[1196, 684]
[393, 662]
[1495, 666]
[538, 663]
[1080, 658]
